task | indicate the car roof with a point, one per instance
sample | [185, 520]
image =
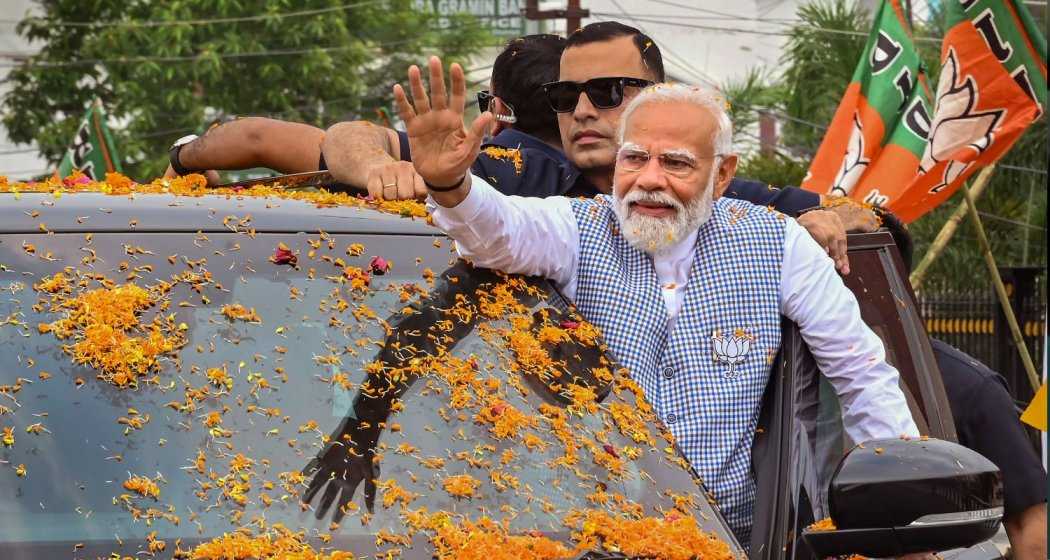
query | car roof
[97, 212]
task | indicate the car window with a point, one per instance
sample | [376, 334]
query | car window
[218, 373]
[891, 314]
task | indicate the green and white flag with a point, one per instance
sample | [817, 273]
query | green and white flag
[92, 150]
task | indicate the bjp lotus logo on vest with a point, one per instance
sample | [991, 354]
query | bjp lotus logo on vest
[731, 350]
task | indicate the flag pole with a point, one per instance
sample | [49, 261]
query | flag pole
[948, 230]
[1000, 289]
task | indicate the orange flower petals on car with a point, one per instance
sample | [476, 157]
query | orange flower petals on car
[825, 524]
[674, 537]
[195, 185]
[108, 335]
[143, 487]
[236, 311]
[280, 543]
[486, 540]
[461, 486]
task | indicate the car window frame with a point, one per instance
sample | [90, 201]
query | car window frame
[795, 368]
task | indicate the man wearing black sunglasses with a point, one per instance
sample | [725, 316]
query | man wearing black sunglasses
[603, 65]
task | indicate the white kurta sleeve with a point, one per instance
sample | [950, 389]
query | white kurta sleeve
[534, 236]
[847, 351]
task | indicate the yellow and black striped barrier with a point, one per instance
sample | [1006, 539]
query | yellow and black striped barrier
[958, 325]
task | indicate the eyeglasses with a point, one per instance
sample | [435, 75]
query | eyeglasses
[678, 165]
[604, 93]
[485, 98]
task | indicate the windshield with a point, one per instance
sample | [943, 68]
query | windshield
[178, 387]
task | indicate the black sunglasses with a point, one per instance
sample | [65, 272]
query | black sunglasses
[484, 98]
[604, 93]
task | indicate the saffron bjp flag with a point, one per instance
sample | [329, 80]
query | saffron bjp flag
[92, 150]
[893, 144]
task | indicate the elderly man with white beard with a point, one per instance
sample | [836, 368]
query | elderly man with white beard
[668, 270]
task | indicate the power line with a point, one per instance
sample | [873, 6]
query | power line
[1008, 220]
[720, 15]
[1019, 168]
[786, 33]
[212, 21]
[199, 57]
[678, 60]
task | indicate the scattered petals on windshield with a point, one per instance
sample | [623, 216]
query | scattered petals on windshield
[263, 411]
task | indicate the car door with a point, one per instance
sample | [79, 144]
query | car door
[802, 435]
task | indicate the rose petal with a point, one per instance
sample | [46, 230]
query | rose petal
[570, 324]
[284, 255]
[379, 266]
[611, 450]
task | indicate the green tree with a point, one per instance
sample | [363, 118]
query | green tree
[748, 97]
[818, 65]
[165, 69]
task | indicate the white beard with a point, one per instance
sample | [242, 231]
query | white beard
[656, 235]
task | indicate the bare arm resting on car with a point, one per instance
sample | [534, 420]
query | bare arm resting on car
[364, 155]
[285, 147]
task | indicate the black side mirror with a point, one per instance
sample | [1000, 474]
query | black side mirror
[895, 496]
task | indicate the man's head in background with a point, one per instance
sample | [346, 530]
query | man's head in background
[518, 75]
[604, 64]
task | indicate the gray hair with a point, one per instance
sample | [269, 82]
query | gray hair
[682, 93]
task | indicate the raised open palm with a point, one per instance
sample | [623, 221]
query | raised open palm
[442, 148]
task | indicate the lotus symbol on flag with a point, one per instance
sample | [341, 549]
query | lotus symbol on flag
[731, 350]
[956, 123]
[854, 164]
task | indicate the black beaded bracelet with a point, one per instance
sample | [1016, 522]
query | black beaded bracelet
[436, 188]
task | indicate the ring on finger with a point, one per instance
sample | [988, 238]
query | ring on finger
[388, 185]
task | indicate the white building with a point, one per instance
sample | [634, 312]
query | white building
[710, 41]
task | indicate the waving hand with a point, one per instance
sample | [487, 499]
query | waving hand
[442, 148]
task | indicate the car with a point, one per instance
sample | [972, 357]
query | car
[264, 372]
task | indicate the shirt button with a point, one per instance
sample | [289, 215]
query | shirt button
[672, 418]
[668, 372]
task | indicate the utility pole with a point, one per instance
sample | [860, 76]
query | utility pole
[572, 14]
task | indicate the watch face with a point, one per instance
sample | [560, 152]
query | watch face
[184, 140]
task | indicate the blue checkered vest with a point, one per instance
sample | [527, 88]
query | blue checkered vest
[706, 379]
